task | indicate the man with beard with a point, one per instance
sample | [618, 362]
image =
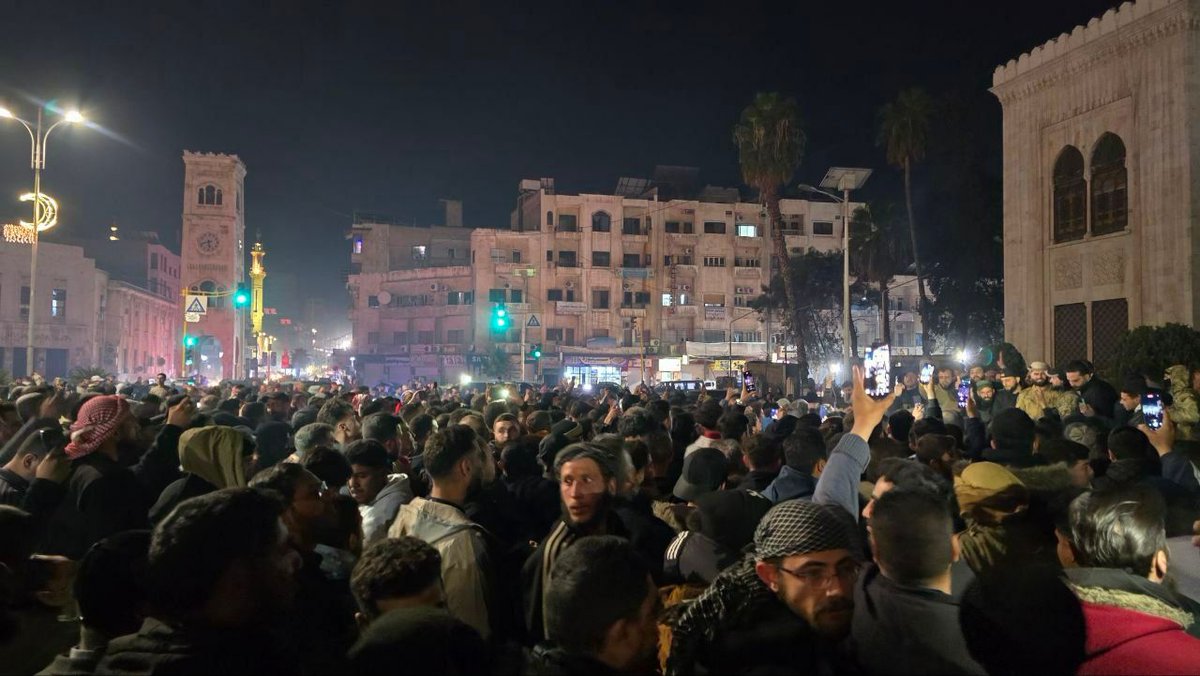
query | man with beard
[1006, 396]
[783, 607]
[458, 467]
[104, 494]
[587, 480]
[1098, 397]
[1040, 395]
[985, 399]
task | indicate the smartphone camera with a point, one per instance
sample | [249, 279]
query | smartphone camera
[748, 381]
[878, 378]
[926, 374]
[1152, 409]
[964, 393]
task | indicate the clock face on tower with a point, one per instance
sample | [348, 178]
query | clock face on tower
[208, 243]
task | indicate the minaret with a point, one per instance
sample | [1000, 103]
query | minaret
[257, 274]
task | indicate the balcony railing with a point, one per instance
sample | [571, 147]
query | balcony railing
[637, 273]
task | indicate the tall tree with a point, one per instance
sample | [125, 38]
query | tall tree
[817, 277]
[770, 144]
[877, 253]
[904, 132]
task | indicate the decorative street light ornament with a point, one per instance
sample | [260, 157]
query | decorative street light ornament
[47, 211]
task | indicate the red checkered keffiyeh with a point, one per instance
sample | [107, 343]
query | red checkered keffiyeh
[99, 419]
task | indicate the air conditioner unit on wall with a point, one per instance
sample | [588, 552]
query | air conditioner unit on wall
[686, 287]
[687, 252]
[570, 285]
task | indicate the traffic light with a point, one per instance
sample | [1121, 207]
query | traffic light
[535, 351]
[241, 297]
[500, 318]
[189, 345]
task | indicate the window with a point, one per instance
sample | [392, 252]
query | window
[714, 300]
[667, 300]
[549, 256]
[153, 261]
[495, 295]
[554, 335]
[680, 227]
[372, 301]
[515, 295]
[599, 299]
[678, 259]
[24, 302]
[792, 227]
[455, 336]
[635, 299]
[747, 337]
[399, 337]
[426, 338]
[210, 195]
[714, 227]
[600, 333]
[58, 303]
[450, 254]
[746, 263]
[358, 244]
[601, 259]
[568, 223]
[601, 222]
[1070, 191]
[460, 298]
[567, 259]
[742, 301]
[747, 230]
[823, 228]
[549, 218]
[554, 294]
[685, 299]
[419, 253]
[632, 226]
[714, 261]
[712, 336]
[372, 338]
[631, 260]
[516, 257]
[1110, 203]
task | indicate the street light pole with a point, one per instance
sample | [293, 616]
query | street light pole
[844, 179]
[37, 163]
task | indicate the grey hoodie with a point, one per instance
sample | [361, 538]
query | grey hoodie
[378, 514]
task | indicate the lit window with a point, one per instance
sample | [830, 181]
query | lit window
[418, 253]
[746, 230]
[358, 243]
[58, 303]
[667, 300]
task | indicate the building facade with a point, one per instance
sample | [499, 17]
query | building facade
[140, 332]
[214, 259]
[70, 300]
[621, 287]
[1101, 181]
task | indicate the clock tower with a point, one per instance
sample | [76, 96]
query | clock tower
[213, 259]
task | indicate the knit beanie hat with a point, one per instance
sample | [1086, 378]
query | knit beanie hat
[99, 419]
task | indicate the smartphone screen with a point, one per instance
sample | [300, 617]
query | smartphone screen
[1152, 409]
[748, 381]
[878, 372]
[964, 393]
[926, 374]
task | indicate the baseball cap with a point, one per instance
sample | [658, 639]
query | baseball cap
[704, 470]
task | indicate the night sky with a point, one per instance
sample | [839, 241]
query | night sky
[389, 106]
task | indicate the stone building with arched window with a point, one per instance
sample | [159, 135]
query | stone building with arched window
[1101, 145]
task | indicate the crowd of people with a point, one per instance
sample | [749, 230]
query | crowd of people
[1039, 526]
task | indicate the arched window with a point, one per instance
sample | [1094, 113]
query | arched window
[210, 195]
[601, 222]
[1070, 196]
[1110, 182]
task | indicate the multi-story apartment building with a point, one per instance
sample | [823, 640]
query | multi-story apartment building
[140, 332]
[614, 287]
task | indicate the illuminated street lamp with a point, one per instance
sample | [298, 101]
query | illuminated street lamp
[37, 162]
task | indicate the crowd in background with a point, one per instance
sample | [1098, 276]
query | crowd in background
[1037, 525]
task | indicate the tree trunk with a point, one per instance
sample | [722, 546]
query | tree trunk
[912, 237]
[793, 315]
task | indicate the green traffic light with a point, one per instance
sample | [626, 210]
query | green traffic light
[189, 341]
[241, 297]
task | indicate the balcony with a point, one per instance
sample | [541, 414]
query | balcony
[637, 273]
[682, 310]
[743, 271]
[632, 310]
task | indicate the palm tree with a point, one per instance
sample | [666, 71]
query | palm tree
[904, 132]
[770, 145]
[877, 253]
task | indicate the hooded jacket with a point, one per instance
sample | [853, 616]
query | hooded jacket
[790, 485]
[463, 547]
[1134, 625]
[899, 629]
[212, 458]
